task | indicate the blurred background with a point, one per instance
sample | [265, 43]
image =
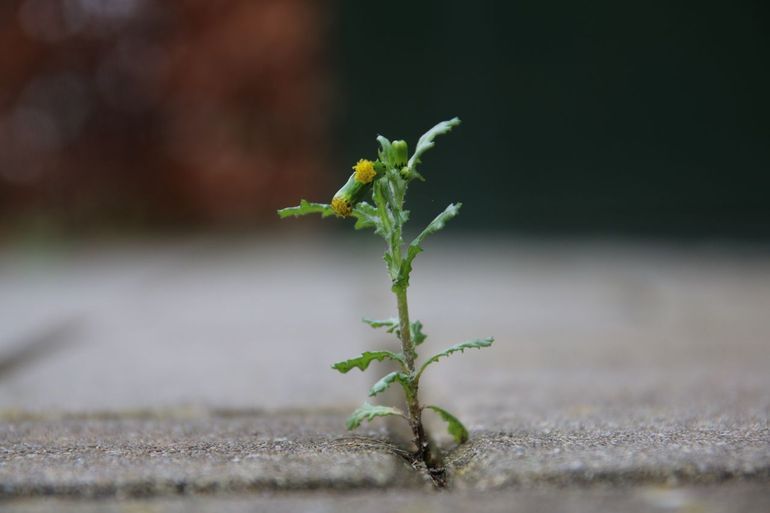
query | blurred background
[613, 160]
[634, 119]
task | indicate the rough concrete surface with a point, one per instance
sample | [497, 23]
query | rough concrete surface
[728, 499]
[588, 453]
[255, 323]
[93, 457]
[633, 378]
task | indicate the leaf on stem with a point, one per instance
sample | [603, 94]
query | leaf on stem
[418, 337]
[415, 247]
[393, 325]
[388, 380]
[362, 362]
[454, 426]
[368, 412]
[386, 153]
[427, 142]
[438, 224]
[397, 188]
[367, 216]
[305, 208]
[381, 202]
[461, 347]
[390, 325]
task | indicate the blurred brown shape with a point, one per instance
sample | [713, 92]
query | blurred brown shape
[160, 113]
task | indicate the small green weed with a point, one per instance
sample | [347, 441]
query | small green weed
[386, 180]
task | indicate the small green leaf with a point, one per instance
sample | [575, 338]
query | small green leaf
[426, 142]
[454, 426]
[305, 208]
[461, 347]
[437, 224]
[418, 337]
[389, 324]
[386, 152]
[392, 325]
[397, 188]
[391, 266]
[362, 362]
[415, 247]
[367, 216]
[368, 412]
[381, 202]
[417, 175]
[388, 380]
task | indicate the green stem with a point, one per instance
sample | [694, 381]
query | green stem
[390, 203]
[421, 441]
[405, 327]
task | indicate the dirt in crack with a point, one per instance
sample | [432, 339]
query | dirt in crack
[436, 474]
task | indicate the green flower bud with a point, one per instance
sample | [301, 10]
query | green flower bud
[406, 172]
[400, 152]
[347, 197]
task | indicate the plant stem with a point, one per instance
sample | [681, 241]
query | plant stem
[422, 443]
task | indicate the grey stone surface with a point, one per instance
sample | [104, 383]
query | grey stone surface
[254, 323]
[579, 452]
[728, 499]
[196, 323]
[167, 455]
[617, 367]
[96, 457]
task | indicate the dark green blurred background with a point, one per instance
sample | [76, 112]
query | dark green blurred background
[647, 118]
[579, 118]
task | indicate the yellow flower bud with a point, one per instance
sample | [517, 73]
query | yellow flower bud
[365, 172]
[348, 196]
[341, 206]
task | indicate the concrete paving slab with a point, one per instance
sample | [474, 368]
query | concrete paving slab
[254, 323]
[150, 456]
[614, 365]
[202, 323]
[581, 452]
[741, 498]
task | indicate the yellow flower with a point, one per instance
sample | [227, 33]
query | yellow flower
[341, 206]
[365, 172]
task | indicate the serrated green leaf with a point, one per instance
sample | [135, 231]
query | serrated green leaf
[386, 151]
[381, 202]
[367, 216]
[368, 412]
[418, 337]
[393, 325]
[461, 347]
[454, 426]
[397, 188]
[415, 247]
[389, 324]
[437, 224]
[391, 230]
[388, 380]
[362, 362]
[305, 208]
[427, 142]
[391, 266]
